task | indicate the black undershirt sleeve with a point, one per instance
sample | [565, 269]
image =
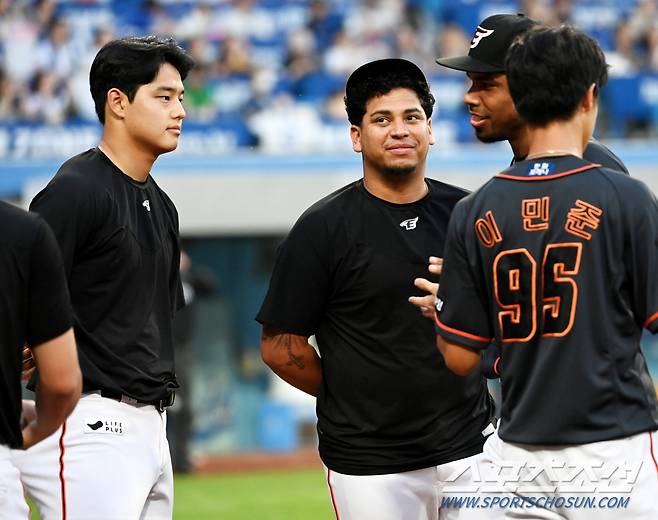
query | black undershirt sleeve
[49, 313]
[300, 283]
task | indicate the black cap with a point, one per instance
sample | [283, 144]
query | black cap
[384, 67]
[490, 42]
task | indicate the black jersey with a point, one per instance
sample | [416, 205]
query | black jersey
[34, 305]
[595, 152]
[120, 246]
[555, 259]
[387, 403]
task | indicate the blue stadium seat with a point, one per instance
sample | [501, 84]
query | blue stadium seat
[627, 100]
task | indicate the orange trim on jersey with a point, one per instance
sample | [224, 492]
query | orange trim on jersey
[331, 492]
[488, 224]
[495, 366]
[514, 279]
[560, 269]
[583, 215]
[545, 177]
[651, 319]
[514, 311]
[460, 333]
[535, 209]
[653, 456]
[62, 482]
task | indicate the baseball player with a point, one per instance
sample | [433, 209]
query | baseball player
[34, 309]
[118, 232]
[494, 118]
[555, 259]
[392, 421]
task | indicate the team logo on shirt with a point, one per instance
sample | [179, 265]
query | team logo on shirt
[480, 33]
[539, 169]
[147, 205]
[112, 426]
[410, 223]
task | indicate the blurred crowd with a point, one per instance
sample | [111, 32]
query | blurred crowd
[266, 63]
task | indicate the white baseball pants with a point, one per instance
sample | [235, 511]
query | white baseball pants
[412, 495]
[109, 461]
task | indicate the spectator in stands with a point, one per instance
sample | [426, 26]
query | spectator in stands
[642, 22]
[334, 108]
[43, 12]
[563, 11]
[7, 97]
[156, 19]
[300, 58]
[323, 23]
[245, 19]
[538, 10]
[81, 104]
[407, 46]
[198, 23]
[622, 59]
[451, 40]
[55, 52]
[346, 53]
[652, 42]
[199, 95]
[19, 33]
[202, 50]
[389, 15]
[234, 58]
[48, 99]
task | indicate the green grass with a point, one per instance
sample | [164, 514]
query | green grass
[283, 495]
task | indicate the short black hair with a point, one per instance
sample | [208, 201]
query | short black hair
[550, 69]
[130, 62]
[378, 78]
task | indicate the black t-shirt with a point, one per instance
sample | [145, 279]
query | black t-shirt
[120, 246]
[555, 259]
[387, 403]
[34, 305]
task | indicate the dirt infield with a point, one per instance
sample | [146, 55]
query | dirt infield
[259, 461]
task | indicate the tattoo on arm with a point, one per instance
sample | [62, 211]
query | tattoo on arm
[284, 342]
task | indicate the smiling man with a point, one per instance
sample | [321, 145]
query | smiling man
[118, 233]
[392, 420]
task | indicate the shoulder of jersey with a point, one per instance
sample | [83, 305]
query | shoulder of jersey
[448, 189]
[597, 152]
[85, 165]
[17, 224]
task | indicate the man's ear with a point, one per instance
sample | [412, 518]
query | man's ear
[429, 129]
[590, 99]
[355, 135]
[116, 102]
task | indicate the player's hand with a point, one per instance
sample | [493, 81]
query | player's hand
[28, 413]
[29, 424]
[28, 364]
[435, 265]
[425, 303]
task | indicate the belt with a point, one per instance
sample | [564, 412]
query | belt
[160, 405]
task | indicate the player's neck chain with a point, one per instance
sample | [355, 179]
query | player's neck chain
[547, 153]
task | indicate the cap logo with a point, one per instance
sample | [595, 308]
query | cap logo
[480, 33]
